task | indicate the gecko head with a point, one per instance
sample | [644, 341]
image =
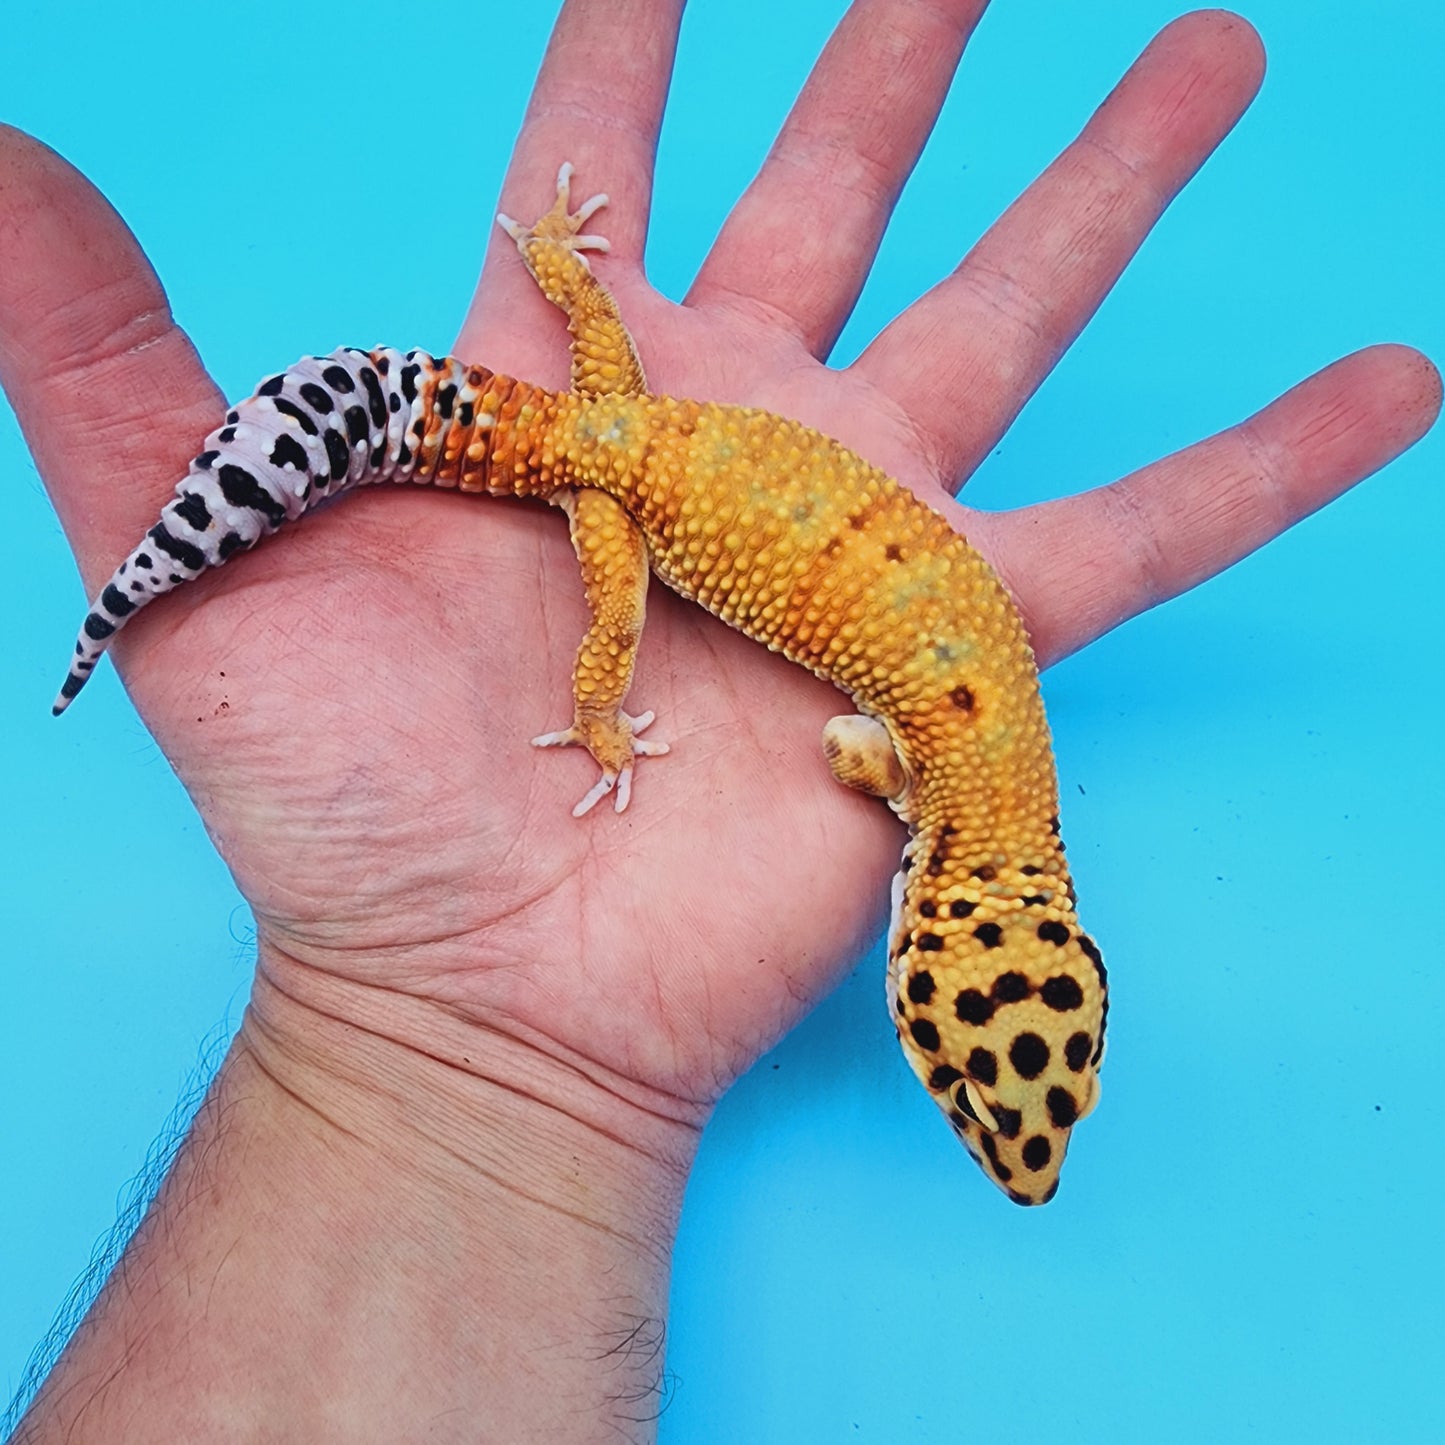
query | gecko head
[1015, 1063]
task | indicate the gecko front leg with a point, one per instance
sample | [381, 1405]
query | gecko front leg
[604, 360]
[608, 543]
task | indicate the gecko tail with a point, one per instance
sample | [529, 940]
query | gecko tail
[174, 551]
[324, 425]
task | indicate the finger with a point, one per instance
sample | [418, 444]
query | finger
[968, 355]
[108, 390]
[1083, 564]
[802, 238]
[598, 103]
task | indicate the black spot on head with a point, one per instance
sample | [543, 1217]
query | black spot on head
[1010, 987]
[898, 1004]
[1009, 1121]
[338, 378]
[316, 397]
[1062, 993]
[962, 698]
[925, 1034]
[1062, 1108]
[989, 934]
[986, 874]
[935, 864]
[961, 908]
[943, 1077]
[983, 1066]
[1029, 1055]
[972, 1007]
[1049, 1193]
[1029, 870]
[1052, 931]
[928, 908]
[1037, 1153]
[1091, 952]
[921, 986]
[1000, 1169]
[1029, 899]
[1076, 1051]
[929, 943]
[1054, 825]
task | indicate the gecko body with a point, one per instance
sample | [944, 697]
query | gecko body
[997, 994]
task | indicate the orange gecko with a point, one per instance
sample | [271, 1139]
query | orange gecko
[998, 995]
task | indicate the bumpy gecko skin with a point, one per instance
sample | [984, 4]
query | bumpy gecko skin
[997, 994]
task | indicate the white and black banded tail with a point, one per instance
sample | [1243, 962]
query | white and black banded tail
[319, 427]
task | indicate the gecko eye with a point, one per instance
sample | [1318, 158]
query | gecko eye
[968, 1100]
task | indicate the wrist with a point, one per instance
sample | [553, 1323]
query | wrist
[360, 1234]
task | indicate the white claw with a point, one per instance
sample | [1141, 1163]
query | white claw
[564, 177]
[555, 740]
[598, 790]
[590, 207]
[624, 790]
[514, 229]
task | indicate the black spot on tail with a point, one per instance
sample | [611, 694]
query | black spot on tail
[289, 408]
[187, 554]
[241, 489]
[191, 508]
[116, 602]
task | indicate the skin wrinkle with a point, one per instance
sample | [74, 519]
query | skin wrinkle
[382, 1143]
[563, 1054]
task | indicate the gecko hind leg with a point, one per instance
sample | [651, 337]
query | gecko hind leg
[861, 755]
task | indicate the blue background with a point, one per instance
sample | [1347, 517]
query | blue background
[1247, 1243]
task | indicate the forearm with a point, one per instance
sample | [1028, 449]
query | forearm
[362, 1241]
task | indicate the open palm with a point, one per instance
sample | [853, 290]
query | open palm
[350, 706]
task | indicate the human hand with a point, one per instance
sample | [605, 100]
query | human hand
[350, 706]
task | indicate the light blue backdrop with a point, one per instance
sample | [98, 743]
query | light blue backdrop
[1248, 1247]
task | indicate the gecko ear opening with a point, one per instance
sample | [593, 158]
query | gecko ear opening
[968, 1100]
